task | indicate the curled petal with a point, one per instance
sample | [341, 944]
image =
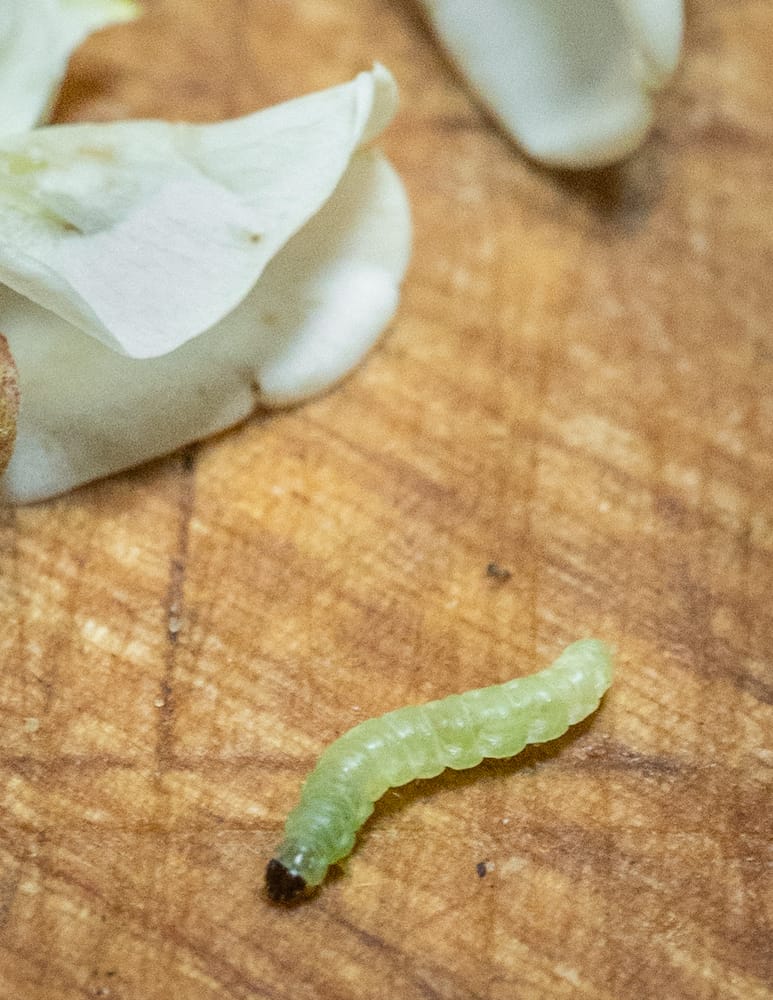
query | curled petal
[295, 312]
[145, 233]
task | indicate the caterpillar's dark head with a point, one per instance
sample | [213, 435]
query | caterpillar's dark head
[283, 885]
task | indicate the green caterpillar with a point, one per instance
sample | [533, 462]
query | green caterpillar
[420, 742]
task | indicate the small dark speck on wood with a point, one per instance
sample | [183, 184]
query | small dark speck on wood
[481, 868]
[496, 572]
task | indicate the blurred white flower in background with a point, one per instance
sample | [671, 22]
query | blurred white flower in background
[572, 81]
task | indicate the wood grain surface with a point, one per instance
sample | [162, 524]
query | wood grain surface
[578, 387]
[9, 403]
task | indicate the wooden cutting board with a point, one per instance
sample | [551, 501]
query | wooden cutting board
[578, 387]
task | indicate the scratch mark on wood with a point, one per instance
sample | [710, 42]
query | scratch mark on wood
[174, 611]
[8, 889]
[227, 974]
[545, 363]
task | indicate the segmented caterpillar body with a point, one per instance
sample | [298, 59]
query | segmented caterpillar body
[420, 742]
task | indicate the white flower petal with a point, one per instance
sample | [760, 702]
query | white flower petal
[657, 27]
[87, 411]
[144, 234]
[37, 38]
[571, 80]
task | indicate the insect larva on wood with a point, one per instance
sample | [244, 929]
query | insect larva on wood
[420, 741]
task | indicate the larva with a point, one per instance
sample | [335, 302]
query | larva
[420, 741]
